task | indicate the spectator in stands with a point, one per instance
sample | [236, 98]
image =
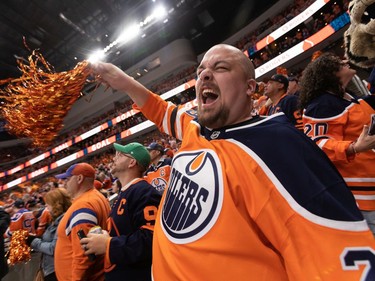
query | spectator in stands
[42, 216]
[169, 153]
[9, 207]
[128, 246]
[336, 9]
[57, 202]
[338, 123]
[89, 208]
[293, 88]
[22, 219]
[4, 223]
[280, 101]
[113, 192]
[247, 178]
[159, 170]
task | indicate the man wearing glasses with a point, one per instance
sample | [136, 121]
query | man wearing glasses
[128, 245]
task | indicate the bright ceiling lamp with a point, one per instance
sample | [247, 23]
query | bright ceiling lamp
[128, 34]
[96, 56]
[160, 13]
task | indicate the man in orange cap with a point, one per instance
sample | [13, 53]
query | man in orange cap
[89, 208]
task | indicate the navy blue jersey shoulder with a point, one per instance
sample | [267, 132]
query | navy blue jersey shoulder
[300, 165]
[161, 163]
[370, 100]
[142, 194]
[326, 105]
[166, 162]
[288, 105]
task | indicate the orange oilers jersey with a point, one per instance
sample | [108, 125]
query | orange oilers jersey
[44, 219]
[158, 175]
[88, 210]
[23, 219]
[334, 123]
[256, 199]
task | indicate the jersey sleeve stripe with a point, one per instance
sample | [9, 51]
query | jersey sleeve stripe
[173, 121]
[360, 180]
[180, 113]
[81, 216]
[166, 119]
[322, 142]
[317, 119]
[364, 197]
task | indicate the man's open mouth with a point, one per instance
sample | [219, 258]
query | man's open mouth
[209, 96]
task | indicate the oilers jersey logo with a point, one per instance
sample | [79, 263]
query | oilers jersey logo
[194, 198]
[159, 184]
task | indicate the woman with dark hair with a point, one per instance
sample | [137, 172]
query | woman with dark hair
[339, 123]
[57, 202]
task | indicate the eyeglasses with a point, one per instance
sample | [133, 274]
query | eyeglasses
[119, 154]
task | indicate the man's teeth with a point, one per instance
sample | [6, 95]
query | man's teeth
[206, 92]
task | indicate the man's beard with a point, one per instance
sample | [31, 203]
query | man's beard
[214, 119]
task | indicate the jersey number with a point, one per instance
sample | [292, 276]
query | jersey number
[150, 214]
[318, 129]
[351, 258]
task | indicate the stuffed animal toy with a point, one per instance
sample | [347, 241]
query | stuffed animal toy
[360, 36]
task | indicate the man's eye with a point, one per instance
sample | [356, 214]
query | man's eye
[221, 68]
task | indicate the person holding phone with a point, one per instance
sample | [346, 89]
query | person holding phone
[340, 124]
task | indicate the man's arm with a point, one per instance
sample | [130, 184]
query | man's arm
[119, 80]
[83, 218]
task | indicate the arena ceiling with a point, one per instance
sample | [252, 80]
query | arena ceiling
[68, 31]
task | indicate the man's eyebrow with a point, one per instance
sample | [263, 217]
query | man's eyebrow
[215, 64]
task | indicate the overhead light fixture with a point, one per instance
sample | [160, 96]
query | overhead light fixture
[96, 56]
[129, 33]
[159, 13]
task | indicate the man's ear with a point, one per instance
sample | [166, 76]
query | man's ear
[80, 179]
[132, 163]
[251, 86]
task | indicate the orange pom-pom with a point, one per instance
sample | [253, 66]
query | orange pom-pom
[37, 102]
[18, 249]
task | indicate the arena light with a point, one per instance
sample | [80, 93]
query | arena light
[129, 33]
[96, 56]
[160, 13]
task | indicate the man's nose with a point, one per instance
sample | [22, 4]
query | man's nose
[206, 74]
